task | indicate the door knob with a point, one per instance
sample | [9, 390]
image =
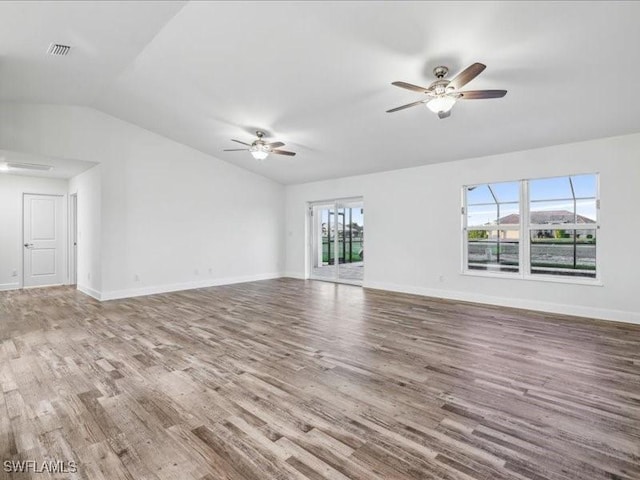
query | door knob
[28, 245]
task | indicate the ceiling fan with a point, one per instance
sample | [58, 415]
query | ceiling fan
[261, 149]
[442, 94]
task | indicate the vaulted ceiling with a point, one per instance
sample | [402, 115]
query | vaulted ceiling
[316, 75]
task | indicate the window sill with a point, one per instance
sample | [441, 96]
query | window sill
[534, 278]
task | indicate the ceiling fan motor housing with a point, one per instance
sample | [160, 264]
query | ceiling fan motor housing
[440, 71]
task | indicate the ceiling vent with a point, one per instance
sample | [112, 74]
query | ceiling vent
[25, 166]
[58, 49]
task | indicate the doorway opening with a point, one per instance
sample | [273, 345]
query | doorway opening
[337, 240]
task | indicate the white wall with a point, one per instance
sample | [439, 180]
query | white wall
[192, 221]
[427, 201]
[12, 187]
[166, 210]
[88, 188]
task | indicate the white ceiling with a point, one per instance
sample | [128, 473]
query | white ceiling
[316, 75]
[62, 167]
[105, 37]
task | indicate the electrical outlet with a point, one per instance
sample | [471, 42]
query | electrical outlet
[210, 271]
[441, 278]
[14, 273]
[196, 272]
[136, 278]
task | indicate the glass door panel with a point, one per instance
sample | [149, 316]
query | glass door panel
[350, 242]
[323, 244]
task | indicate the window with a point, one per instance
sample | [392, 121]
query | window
[562, 226]
[543, 228]
[493, 227]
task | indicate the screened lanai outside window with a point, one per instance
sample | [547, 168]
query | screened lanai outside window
[493, 227]
[563, 225]
[544, 228]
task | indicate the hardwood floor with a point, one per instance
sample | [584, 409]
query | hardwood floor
[289, 379]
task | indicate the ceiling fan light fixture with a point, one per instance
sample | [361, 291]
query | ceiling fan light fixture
[259, 152]
[441, 104]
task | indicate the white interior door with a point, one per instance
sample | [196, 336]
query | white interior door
[43, 240]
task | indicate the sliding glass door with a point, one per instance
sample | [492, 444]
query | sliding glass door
[337, 241]
[323, 265]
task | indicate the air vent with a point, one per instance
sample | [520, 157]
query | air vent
[58, 49]
[25, 166]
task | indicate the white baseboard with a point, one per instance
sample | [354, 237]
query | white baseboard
[152, 290]
[576, 310]
[297, 275]
[9, 286]
[564, 309]
[89, 291]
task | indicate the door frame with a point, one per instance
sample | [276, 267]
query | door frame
[65, 234]
[73, 239]
[333, 203]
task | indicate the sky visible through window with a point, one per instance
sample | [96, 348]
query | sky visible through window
[356, 216]
[548, 194]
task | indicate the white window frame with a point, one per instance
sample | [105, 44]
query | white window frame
[507, 227]
[524, 228]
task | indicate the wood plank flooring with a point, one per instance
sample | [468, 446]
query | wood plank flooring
[288, 379]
